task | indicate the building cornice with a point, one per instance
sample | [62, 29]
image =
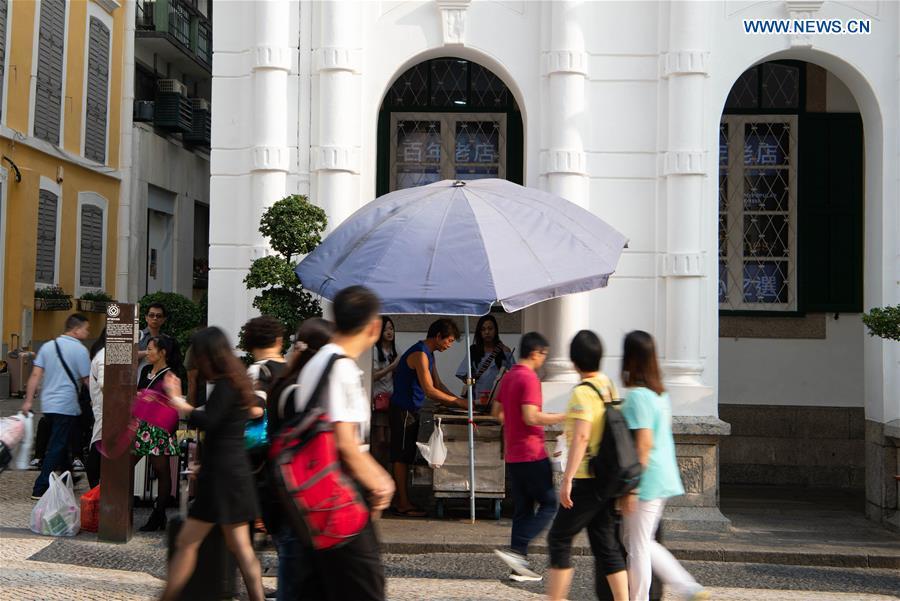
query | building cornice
[55, 151]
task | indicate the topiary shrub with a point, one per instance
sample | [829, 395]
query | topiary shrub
[293, 226]
[182, 316]
[883, 322]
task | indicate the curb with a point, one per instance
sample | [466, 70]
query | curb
[685, 553]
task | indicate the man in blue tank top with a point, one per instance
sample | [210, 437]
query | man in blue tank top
[416, 378]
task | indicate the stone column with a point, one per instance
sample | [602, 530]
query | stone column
[234, 237]
[335, 157]
[564, 166]
[684, 170]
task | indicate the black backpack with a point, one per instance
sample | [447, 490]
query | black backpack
[615, 467]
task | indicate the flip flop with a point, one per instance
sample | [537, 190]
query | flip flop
[409, 513]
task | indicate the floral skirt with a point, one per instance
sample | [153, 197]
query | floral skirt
[152, 440]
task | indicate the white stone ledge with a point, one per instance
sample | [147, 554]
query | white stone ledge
[271, 158]
[336, 59]
[566, 61]
[335, 158]
[564, 161]
[241, 64]
[685, 62]
[682, 265]
[271, 57]
[684, 162]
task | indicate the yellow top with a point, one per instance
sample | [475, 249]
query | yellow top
[586, 405]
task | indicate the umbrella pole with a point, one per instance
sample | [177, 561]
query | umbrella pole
[471, 426]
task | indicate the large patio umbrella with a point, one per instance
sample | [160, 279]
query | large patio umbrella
[457, 248]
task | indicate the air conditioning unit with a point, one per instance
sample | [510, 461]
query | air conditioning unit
[172, 86]
[201, 124]
[200, 104]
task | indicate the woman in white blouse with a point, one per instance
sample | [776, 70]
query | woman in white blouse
[98, 359]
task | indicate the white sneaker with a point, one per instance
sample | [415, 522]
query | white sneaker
[77, 465]
[521, 578]
[517, 563]
[35, 464]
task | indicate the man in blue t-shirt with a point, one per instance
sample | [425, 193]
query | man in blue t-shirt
[59, 394]
[415, 378]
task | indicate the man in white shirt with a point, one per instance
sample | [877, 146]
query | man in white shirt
[354, 570]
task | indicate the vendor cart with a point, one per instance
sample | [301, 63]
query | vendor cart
[451, 480]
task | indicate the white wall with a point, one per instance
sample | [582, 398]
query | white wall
[820, 373]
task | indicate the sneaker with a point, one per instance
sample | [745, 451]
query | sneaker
[517, 563]
[699, 595]
[77, 466]
[36, 497]
[35, 464]
[522, 578]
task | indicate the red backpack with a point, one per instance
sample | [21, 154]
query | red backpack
[322, 504]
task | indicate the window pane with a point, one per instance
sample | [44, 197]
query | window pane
[488, 92]
[765, 235]
[417, 153]
[723, 282]
[766, 189]
[780, 86]
[477, 150]
[766, 143]
[744, 93]
[411, 89]
[449, 80]
[765, 282]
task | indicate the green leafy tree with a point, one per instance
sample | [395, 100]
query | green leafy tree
[883, 322]
[293, 226]
[182, 316]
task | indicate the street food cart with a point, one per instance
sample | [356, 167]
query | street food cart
[451, 480]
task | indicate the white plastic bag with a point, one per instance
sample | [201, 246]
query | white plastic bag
[23, 453]
[560, 454]
[435, 451]
[57, 513]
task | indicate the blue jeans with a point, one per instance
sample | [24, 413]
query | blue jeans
[57, 454]
[531, 483]
[296, 575]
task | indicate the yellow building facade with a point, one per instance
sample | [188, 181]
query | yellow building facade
[59, 171]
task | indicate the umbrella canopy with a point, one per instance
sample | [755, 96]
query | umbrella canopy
[456, 248]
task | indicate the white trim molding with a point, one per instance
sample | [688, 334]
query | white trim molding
[453, 21]
[271, 158]
[337, 59]
[566, 61]
[94, 199]
[59, 153]
[108, 5]
[5, 87]
[684, 162]
[564, 161]
[685, 62]
[35, 54]
[271, 57]
[51, 186]
[682, 265]
[335, 158]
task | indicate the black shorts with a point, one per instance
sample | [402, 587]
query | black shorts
[596, 515]
[404, 427]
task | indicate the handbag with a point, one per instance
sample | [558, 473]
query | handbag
[153, 407]
[382, 401]
[322, 504]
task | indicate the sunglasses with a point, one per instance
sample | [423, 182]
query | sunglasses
[155, 315]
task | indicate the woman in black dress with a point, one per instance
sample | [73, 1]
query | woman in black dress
[226, 495]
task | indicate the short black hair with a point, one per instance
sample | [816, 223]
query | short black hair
[157, 305]
[443, 327]
[586, 351]
[262, 332]
[531, 342]
[354, 307]
[74, 321]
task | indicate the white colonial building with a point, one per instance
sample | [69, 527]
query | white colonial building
[755, 175]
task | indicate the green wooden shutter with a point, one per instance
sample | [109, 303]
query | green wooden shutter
[830, 207]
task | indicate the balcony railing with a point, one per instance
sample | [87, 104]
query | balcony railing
[181, 21]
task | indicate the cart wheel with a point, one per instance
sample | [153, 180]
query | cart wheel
[439, 509]
[497, 509]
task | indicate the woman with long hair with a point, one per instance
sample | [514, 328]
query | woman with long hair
[490, 358]
[225, 489]
[296, 578]
[157, 444]
[95, 385]
[648, 411]
[384, 362]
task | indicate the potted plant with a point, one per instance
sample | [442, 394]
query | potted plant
[52, 298]
[95, 301]
[883, 322]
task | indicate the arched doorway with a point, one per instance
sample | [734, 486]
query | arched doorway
[791, 202]
[447, 118]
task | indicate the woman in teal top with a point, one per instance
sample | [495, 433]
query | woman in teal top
[648, 411]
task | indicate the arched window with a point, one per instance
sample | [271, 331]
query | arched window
[91, 252]
[448, 118]
[50, 73]
[47, 262]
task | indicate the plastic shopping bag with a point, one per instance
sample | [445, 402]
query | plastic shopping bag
[560, 453]
[90, 510]
[57, 513]
[23, 453]
[435, 451]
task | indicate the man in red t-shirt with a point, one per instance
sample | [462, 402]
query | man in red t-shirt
[518, 405]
